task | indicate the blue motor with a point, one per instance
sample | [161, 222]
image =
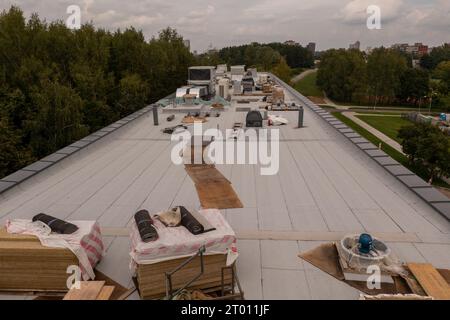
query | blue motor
[365, 243]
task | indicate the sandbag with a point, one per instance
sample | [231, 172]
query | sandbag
[55, 224]
[145, 226]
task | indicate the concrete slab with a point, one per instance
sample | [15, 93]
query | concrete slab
[352, 135]
[359, 140]
[376, 153]
[100, 133]
[431, 194]
[398, 170]
[38, 166]
[107, 129]
[68, 150]
[91, 138]
[5, 185]
[443, 207]
[413, 181]
[367, 146]
[55, 157]
[340, 126]
[385, 161]
[19, 176]
[347, 130]
[80, 144]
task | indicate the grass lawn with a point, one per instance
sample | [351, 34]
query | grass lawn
[307, 86]
[387, 125]
[394, 154]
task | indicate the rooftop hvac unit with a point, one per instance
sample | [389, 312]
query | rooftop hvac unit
[221, 69]
[237, 70]
[237, 89]
[254, 119]
[224, 88]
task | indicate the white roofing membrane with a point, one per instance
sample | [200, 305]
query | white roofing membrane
[326, 187]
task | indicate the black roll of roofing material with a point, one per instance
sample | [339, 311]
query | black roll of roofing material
[145, 226]
[55, 224]
[189, 222]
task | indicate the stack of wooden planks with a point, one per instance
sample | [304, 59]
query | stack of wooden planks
[430, 280]
[214, 190]
[27, 266]
[151, 278]
[90, 290]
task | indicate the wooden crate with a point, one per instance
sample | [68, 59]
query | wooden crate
[26, 265]
[152, 281]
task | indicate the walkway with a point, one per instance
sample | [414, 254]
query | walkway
[394, 144]
[300, 76]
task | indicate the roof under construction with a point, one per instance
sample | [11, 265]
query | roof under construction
[328, 185]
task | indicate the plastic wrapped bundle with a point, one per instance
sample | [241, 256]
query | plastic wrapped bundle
[145, 226]
[190, 223]
[55, 224]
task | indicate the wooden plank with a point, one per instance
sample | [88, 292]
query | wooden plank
[319, 236]
[89, 290]
[105, 293]
[431, 280]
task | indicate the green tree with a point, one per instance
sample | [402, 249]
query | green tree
[282, 70]
[414, 85]
[384, 70]
[427, 146]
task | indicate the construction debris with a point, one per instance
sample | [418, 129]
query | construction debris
[326, 258]
[214, 190]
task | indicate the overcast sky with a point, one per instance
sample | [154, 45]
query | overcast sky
[329, 23]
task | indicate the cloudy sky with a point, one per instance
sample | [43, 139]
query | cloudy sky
[329, 23]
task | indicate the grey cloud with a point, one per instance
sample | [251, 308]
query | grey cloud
[330, 23]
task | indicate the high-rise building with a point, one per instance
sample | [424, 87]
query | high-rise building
[355, 45]
[311, 47]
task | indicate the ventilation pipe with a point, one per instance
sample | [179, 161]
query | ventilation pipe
[155, 115]
[300, 116]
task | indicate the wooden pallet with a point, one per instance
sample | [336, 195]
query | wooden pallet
[151, 279]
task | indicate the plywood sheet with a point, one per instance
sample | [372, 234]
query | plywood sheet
[89, 290]
[431, 280]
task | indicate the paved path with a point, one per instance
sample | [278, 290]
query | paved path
[394, 144]
[300, 76]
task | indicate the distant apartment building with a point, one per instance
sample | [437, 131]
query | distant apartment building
[311, 47]
[418, 49]
[291, 43]
[355, 45]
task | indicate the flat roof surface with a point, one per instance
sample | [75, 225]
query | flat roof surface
[326, 187]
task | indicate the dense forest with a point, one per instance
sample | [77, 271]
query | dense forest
[386, 76]
[58, 85]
